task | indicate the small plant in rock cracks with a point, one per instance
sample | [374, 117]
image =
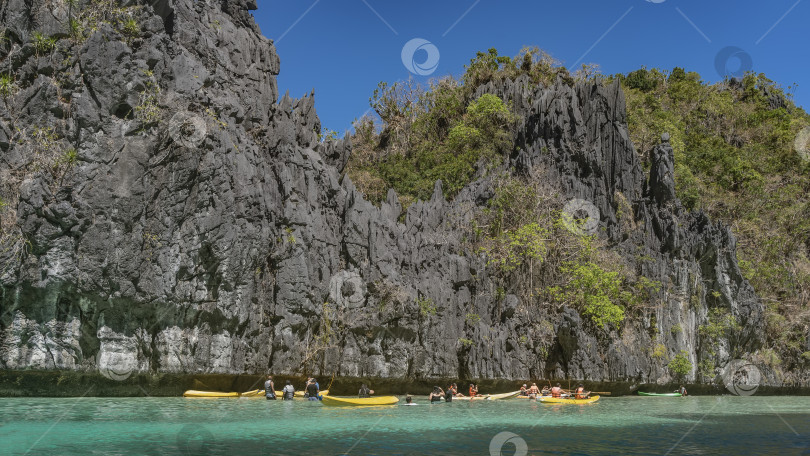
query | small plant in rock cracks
[43, 44]
[148, 111]
[130, 27]
[426, 306]
[7, 86]
[466, 342]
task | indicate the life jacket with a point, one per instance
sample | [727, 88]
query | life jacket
[269, 391]
[289, 393]
[555, 392]
[524, 391]
[364, 392]
[580, 393]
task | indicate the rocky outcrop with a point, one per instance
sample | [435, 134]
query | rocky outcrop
[203, 228]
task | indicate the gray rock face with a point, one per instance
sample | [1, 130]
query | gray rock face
[217, 235]
[662, 174]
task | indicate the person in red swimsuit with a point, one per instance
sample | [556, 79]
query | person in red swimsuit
[473, 390]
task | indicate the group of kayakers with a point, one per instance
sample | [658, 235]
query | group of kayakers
[438, 394]
[312, 390]
[533, 392]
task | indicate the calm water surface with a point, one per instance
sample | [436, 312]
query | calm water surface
[235, 427]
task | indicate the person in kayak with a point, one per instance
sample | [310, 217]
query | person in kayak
[474, 390]
[288, 393]
[524, 391]
[364, 391]
[437, 395]
[682, 390]
[580, 392]
[269, 389]
[546, 391]
[452, 391]
[533, 391]
[458, 393]
[313, 392]
[556, 391]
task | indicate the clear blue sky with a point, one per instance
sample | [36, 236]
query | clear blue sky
[343, 48]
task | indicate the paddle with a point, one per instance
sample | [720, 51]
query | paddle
[604, 393]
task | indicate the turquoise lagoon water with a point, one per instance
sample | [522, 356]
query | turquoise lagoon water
[235, 427]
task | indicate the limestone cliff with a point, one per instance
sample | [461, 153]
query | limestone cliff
[167, 212]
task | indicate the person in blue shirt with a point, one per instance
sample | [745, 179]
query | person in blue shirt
[313, 391]
[310, 380]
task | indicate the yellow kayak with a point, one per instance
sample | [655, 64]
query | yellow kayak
[565, 400]
[254, 393]
[494, 397]
[260, 394]
[195, 393]
[298, 394]
[355, 401]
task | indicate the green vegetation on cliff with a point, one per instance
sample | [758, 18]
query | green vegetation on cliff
[445, 132]
[533, 252]
[680, 364]
[738, 157]
[442, 131]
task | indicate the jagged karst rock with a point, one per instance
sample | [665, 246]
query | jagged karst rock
[239, 247]
[662, 173]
